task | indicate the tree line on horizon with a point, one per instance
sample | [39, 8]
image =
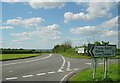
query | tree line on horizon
[21, 51]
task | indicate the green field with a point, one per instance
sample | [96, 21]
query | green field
[86, 75]
[16, 56]
[74, 55]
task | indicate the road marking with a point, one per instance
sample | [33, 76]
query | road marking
[88, 63]
[65, 76]
[91, 63]
[10, 71]
[46, 57]
[100, 63]
[62, 66]
[12, 78]
[60, 70]
[76, 69]
[51, 72]
[27, 76]
[68, 66]
[40, 74]
[26, 61]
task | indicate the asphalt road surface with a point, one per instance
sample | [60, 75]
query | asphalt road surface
[45, 68]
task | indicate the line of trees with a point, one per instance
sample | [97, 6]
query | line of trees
[21, 51]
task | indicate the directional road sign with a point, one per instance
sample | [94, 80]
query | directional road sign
[103, 51]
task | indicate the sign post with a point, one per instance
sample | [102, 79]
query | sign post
[94, 71]
[105, 68]
[103, 51]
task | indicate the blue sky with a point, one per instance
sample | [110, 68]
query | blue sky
[42, 25]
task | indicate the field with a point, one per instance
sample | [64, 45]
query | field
[74, 55]
[86, 75]
[16, 56]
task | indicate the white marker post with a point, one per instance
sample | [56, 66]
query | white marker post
[94, 70]
[105, 67]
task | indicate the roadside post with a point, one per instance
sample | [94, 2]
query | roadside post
[105, 68]
[94, 71]
[101, 51]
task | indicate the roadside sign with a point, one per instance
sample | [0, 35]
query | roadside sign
[80, 50]
[103, 51]
[97, 51]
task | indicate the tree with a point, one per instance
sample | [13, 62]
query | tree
[62, 48]
[105, 43]
[97, 43]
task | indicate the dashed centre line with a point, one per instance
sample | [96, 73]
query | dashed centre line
[51, 72]
[27, 76]
[40, 74]
[12, 78]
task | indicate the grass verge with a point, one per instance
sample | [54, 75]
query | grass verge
[73, 55]
[4, 57]
[86, 75]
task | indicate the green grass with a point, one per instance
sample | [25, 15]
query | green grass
[16, 56]
[73, 55]
[86, 75]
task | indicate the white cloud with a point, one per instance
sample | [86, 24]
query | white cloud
[86, 30]
[112, 23]
[13, 1]
[49, 32]
[78, 1]
[107, 33]
[94, 10]
[36, 4]
[31, 22]
[6, 27]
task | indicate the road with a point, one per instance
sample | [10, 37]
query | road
[52, 68]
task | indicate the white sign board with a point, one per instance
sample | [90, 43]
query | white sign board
[103, 51]
[80, 50]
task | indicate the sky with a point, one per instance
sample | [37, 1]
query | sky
[42, 25]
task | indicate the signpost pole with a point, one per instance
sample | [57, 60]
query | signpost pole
[109, 64]
[105, 68]
[94, 70]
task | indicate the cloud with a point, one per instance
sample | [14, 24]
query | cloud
[86, 30]
[11, 1]
[20, 40]
[31, 22]
[47, 4]
[94, 10]
[112, 23]
[50, 32]
[109, 33]
[6, 27]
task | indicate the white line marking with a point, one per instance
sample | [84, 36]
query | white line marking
[62, 66]
[68, 66]
[46, 57]
[100, 63]
[12, 78]
[26, 61]
[76, 69]
[60, 71]
[65, 76]
[88, 63]
[27, 76]
[51, 72]
[40, 74]
[91, 63]
[10, 71]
